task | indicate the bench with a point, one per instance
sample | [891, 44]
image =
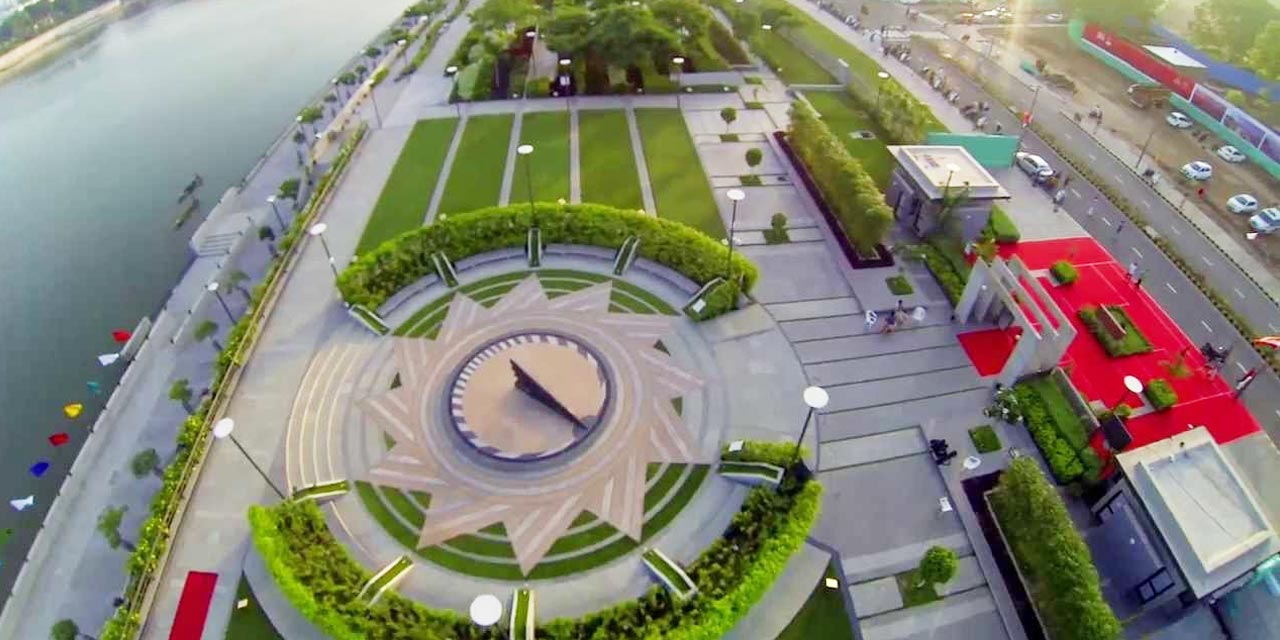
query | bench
[1110, 324]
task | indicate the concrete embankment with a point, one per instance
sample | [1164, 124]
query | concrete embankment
[54, 39]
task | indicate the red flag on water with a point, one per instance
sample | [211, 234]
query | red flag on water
[120, 335]
[59, 439]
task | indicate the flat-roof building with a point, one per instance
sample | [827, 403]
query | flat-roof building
[942, 185]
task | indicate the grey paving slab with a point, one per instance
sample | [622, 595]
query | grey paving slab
[711, 102]
[968, 576]
[729, 159]
[823, 328]
[874, 448]
[969, 615]
[799, 271]
[859, 422]
[785, 597]
[831, 307]
[878, 515]
[731, 78]
[873, 342]
[876, 596]
[774, 92]
[892, 390]
[709, 121]
[757, 209]
[779, 114]
[872, 289]
[763, 361]
[887, 366]
[1032, 210]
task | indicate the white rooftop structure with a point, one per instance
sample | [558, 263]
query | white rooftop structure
[1174, 56]
[1209, 519]
[935, 168]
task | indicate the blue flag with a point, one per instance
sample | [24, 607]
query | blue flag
[39, 468]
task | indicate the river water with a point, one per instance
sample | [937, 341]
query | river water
[95, 145]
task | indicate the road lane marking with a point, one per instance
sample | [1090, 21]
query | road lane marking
[1206, 326]
[1176, 231]
[1238, 292]
[1206, 261]
[1146, 203]
[1118, 180]
[1171, 289]
[1242, 369]
[1074, 192]
[1272, 327]
[1093, 157]
[1135, 250]
[1278, 412]
[1066, 135]
[1106, 221]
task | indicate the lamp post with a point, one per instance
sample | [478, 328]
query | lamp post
[271, 200]
[565, 80]
[1131, 385]
[735, 196]
[1143, 153]
[222, 431]
[317, 231]
[816, 398]
[213, 287]
[524, 151]
[485, 610]
[678, 61]
[452, 72]
[532, 35]
[373, 99]
[1026, 122]
[880, 87]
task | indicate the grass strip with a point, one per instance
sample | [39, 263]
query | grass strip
[250, 622]
[790, 62]
[403, 203]
[844, 117]
[608, 162]
[680, 189]
[475, 179]
[822, 616]
[548, 165]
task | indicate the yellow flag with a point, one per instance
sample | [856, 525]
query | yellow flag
[73, 410]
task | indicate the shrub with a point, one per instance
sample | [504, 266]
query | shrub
[943, 270]
[899, 285]
[401, 261]
[1058, 453]
[777, 231]
[939, 565]
[1053, 558]
[1002, 227]
[1160, 393]
[754, 156]
[776, 453]
[1064, 272]
[726, 45]
[848, 189]
[750, 181]
[985, 439]
[1131, 343]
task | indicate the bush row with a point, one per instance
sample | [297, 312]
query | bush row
[321, 580]
[1063, 461]
[1053, 558]
[1160, 393]
[951, 281]
[1132, 343]
[848, 189]
[192, 440]
[1001, 227]
[776, 453]
[401, 261]
[1064, 272]
[726, 45]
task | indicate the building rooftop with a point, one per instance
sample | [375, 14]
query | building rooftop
[934, 168]
[1208, 517]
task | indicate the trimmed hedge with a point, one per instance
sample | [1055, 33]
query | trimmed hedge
[1003, 230]
[1132, 343]
[848, 188]
[1160, 393]
[775, 453]
[321, 580]
[942, 268]
[403, 260]
[1064, 272]
[899, 285]
[1058, 453]
[1053, 558]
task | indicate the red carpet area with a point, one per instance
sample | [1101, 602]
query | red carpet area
[193, 606]
[1202, 400]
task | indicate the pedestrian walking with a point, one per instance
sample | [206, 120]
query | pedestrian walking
[1066, 180]
[1119, 228]
[1133, 270]
[1093, 203]
[1058, 197]
[871, 318]
[1137, 283]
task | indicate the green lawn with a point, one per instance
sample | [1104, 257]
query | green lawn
[1060, 412]
[843, 116]
[680, 188]
[249, 623]
[475, 179]
[548, 132]
[407, 193]
[608, 161]
[914, 593]
[792, 64]
[823, 616]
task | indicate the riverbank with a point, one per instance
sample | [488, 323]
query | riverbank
[53, 40]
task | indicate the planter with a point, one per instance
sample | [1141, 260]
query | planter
[1013, 559]
[752, 473]
[677, 582]
[323, 491]
[522, 615]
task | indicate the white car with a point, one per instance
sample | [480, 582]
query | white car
[1198, 170]
[1033, 165]
[1266, 221]
[1179, 120]
[1053, 17]
[1230, 153]
[1242, 203]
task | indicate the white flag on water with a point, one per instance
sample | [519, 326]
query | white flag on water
[107, 358]
[23, 503]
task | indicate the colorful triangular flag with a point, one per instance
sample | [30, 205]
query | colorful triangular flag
[107, 358]
[59, 439]
[39, 468]
[121, 336]
[22, 503]
[94, 388]
[73, 409]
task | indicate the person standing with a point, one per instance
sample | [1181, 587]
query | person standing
[1133, 270]
[1058, 197]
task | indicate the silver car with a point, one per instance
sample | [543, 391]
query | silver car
[1266, 221]
[1033, 165]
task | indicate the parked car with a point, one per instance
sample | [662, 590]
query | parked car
[1033, 165]
[1197, 170]
[1179, 120]
[1266, 221]
[1053, 17]
[1231, 154]
[1242, 203]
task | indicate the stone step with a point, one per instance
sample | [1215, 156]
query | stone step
[875, 596]
[894, 390]
[862, 422]
[869, 344]
[946, 618]
[823, 308]
[893, 561]
[887, 366]
[851, 325]
[868, 449]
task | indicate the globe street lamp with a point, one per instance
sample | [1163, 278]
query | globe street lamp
[213, 287]
[485, 610]
[736, 196]
[678, 61]
[317, 231]
[452, 72]
[1131, 385]
[815, 398]
[565, 80]
[222, 430]
[271, 200]
[525, 150]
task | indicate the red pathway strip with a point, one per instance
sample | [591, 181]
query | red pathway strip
[1202, 400]
[193, 606]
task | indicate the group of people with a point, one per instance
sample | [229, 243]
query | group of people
[893, 320]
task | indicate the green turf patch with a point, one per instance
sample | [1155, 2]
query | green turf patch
[548, 165]
[844, 117]
[913, 592]
[407, 193]
[250, 622]
[791, 63]
[899, 285]
[680, 188]
[475, 178]
[608, 162]
[822, 616]
[984, 438]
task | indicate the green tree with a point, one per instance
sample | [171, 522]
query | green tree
[1229, 28]
[289, 189]
[504, 14]
[938, 566]
[754, 157]
[372, 52]
[1264, 55]
[180, 391]
[109, 526]
[236, 280]
[568, 31]
[688, 17]
[627, 35]
[780, 17]
[268, 235]
[147, 461]
[205, 331]
[310, 114]
[728, 114]
[1116, 16]
[67, 629]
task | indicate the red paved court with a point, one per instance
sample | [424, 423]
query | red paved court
[1202, 400]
